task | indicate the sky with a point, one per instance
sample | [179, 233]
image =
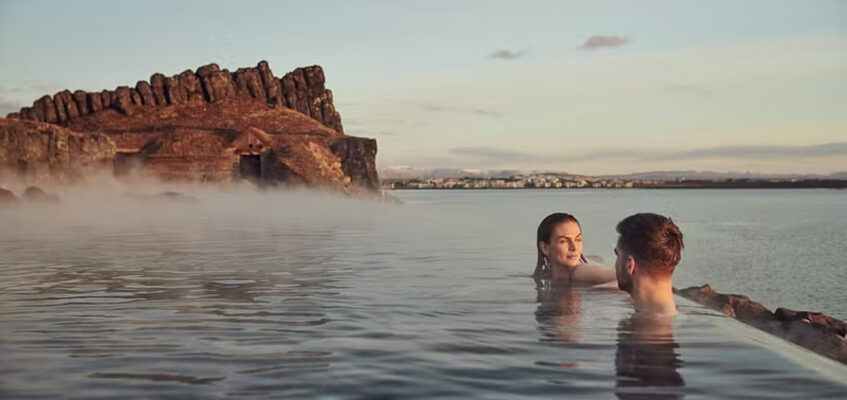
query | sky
[589, 87]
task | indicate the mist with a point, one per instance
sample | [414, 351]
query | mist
[144, 203]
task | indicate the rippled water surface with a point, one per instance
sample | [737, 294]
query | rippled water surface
[292, 295]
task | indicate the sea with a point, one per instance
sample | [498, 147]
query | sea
[120, 292]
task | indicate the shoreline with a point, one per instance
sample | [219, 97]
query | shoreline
[691, 184]
[844, 186]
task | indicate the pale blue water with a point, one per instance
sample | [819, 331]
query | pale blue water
[289, 295]
[784, 248]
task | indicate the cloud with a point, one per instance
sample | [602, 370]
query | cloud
[368, 128]
[732, 152]
[432, 107]
[6, 107]
[506, 54]
[493, 154]
[828, 149]
[490, 113]
[13, 98]
[30, 88]
[440, 107]
[460, 110]
[492, 157]
[691, 90]
[374, 133]
[601, 41]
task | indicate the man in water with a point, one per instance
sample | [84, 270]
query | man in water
[649, 248]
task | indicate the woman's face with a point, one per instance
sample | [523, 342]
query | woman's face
[565, 247]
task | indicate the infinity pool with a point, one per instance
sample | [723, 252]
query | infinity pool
[291, 295]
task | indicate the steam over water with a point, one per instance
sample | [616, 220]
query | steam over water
[238, 293]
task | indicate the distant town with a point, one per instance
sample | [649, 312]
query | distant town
[567, 181]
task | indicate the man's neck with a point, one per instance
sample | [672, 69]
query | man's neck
[654, 296]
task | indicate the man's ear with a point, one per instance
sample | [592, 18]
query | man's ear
[545, 249]
[630, 265]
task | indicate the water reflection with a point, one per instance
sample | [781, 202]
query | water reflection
[559, 312]
[166, 309]
[647, 360]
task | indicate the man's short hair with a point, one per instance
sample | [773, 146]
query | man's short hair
[653, 239]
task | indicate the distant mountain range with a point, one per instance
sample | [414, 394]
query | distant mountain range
[712, 175]
[406, 172]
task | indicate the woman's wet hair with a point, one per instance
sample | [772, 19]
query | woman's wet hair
[543, 234]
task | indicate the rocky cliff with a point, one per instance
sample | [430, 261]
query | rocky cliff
[302, 90]
[41, 152]
[186, 127]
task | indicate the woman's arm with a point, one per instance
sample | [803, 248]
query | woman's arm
[593, 273]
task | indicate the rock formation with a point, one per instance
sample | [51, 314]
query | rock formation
[302, 90]
[185, 127]
[39, 151]
[7, 198]
[817, 332]
[38, 195]
[358, 158]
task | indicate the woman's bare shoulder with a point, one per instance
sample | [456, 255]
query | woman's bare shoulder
[594, 273]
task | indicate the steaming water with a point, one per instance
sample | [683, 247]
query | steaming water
[293, 295]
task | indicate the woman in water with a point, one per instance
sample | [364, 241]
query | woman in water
[559, 243]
